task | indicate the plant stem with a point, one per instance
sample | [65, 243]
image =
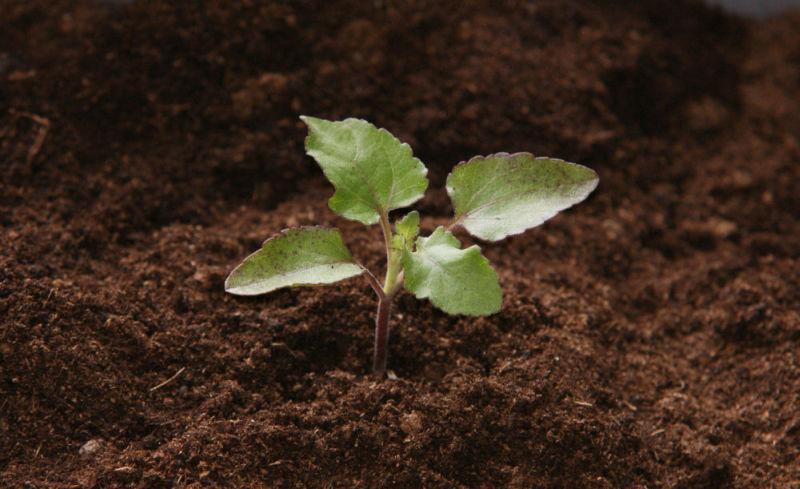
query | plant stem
[381, 352]
[382, 318]
[393, 269]
[398, 282]
[387, 234]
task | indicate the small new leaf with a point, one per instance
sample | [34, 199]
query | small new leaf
[503, 194]
[399, 243]
[456, 281]
[299, 256]
[408, 227]
[373, 172]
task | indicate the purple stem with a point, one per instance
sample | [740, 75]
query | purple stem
[382, 336]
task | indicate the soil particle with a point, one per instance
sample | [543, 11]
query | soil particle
[411, 423]
[90, 448]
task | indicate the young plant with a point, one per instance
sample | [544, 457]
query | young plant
[374, 173]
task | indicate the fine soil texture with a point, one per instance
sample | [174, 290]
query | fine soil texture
[649, 337]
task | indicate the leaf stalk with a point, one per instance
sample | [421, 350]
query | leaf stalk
[373, 281]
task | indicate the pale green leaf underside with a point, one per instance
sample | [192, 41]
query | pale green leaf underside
[298, 256]
[456, 281]
[373, 172]
[504, 194]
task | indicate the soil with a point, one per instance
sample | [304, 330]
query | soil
[649, 337]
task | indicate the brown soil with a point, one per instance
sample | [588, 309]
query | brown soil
[649, 338]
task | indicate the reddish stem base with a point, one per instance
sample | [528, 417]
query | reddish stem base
[381, 353]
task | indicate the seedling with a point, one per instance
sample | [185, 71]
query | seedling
[374, 173]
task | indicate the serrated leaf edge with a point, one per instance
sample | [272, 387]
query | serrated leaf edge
[379, 210]
[483, 260]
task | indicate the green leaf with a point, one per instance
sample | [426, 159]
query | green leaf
[299, 256]
[373, 172]
[456, 281]
[408, 226]
[399, 243]
[503, 194]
